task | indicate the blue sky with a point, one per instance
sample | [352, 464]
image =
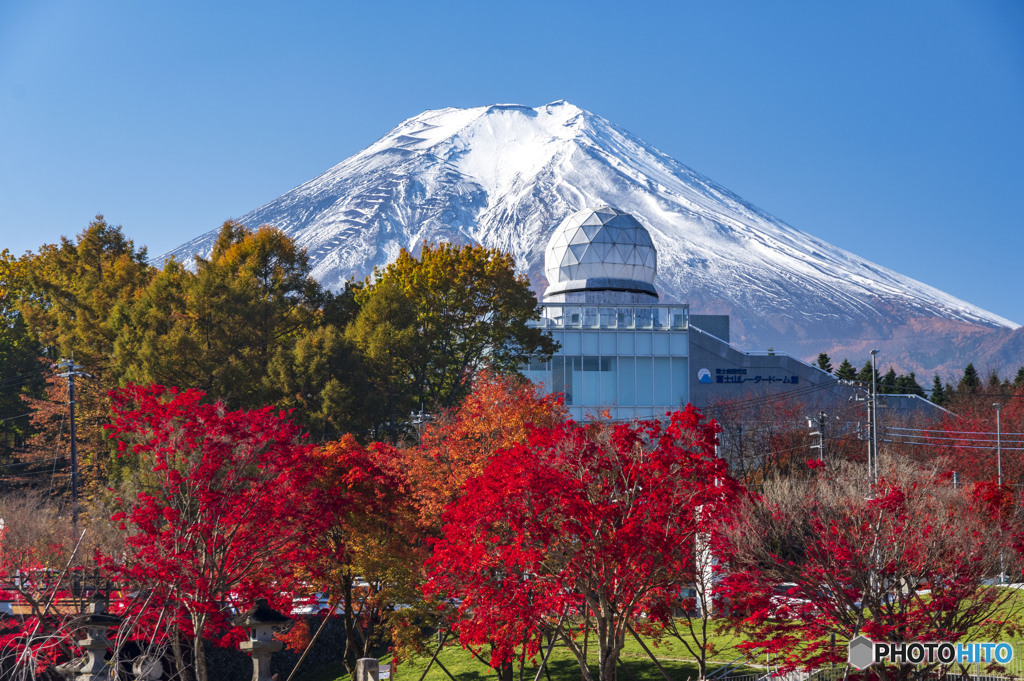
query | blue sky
[894, 130]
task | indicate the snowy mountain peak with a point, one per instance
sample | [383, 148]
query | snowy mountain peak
[506, 175]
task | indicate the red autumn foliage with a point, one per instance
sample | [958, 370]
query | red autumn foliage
[966, 440]
[459, 443]
[353, 508]
[589, 521]
[902, 561]
[209, 526]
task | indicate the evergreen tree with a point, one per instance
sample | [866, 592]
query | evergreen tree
[21, 375]
[994, 384]
[72, 288]
[866, 373]
[908, 385]
[825, 362]
[219, 329]
[938, 392]
[846, 372]
[69, 294]
[887, 384]
[970, 383]
[1018, 382]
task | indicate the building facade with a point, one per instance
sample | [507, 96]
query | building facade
[624, 353]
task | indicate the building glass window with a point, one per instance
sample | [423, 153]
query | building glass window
[571, 345]
[680, 386]
[644, 318]
[679, 318]
[660, 346]
[609, 394]
[625, 318]
[644, 381]
[627, 380]
[662, 382]
[607, 317]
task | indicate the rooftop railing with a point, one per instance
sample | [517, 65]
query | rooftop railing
[655, 317]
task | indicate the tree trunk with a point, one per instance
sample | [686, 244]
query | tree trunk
[352, 647]
[199, 646]
[184, 671]
[611, 639]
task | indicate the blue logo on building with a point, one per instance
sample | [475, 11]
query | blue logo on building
[704, 376]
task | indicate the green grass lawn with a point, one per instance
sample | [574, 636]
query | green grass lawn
[562, 665]
[672, 655]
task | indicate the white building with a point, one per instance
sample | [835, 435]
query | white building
[623, 351]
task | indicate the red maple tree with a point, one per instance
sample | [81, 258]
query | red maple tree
[208, 530]
[457, 445]
[582, 523]
[361, 546]
[833, 557]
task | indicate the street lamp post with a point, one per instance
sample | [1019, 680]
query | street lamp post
[999, 478]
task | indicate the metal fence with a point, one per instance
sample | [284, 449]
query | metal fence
[977, 671]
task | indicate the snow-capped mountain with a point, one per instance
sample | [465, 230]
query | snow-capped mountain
[506, 175]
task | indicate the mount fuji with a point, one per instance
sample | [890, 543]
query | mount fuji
[506, 175]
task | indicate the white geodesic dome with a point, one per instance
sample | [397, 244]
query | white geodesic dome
[600, 249]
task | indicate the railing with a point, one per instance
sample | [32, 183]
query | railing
[660, 317]
[977, 671]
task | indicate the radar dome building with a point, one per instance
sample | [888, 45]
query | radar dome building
[601, 249]
[625, 352]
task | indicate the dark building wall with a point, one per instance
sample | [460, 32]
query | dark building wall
[720, 373]
[715, 324]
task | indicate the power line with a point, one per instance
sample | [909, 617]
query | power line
[938, 440]
[932, 444]
[954, 432]
[16, 377]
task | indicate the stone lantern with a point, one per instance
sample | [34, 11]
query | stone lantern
[260, 623]
[96, 620]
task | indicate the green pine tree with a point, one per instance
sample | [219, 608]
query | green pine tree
[825, 362]
[887, 384]
[1018, 382]
[846, 372]
[938, 392]
[865, 374]
[994, 384]
[970, 382]
[906, 384]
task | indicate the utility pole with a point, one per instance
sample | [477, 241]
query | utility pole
[818, 421]
[71, 370]
[999, 473]
[871, 400]
[999, 445]
[873, 412]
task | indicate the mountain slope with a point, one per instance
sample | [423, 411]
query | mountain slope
[506, 175]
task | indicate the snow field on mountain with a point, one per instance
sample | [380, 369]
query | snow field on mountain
[506, 175]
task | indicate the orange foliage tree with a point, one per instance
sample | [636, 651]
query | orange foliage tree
[459, 443]
[361, 548]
